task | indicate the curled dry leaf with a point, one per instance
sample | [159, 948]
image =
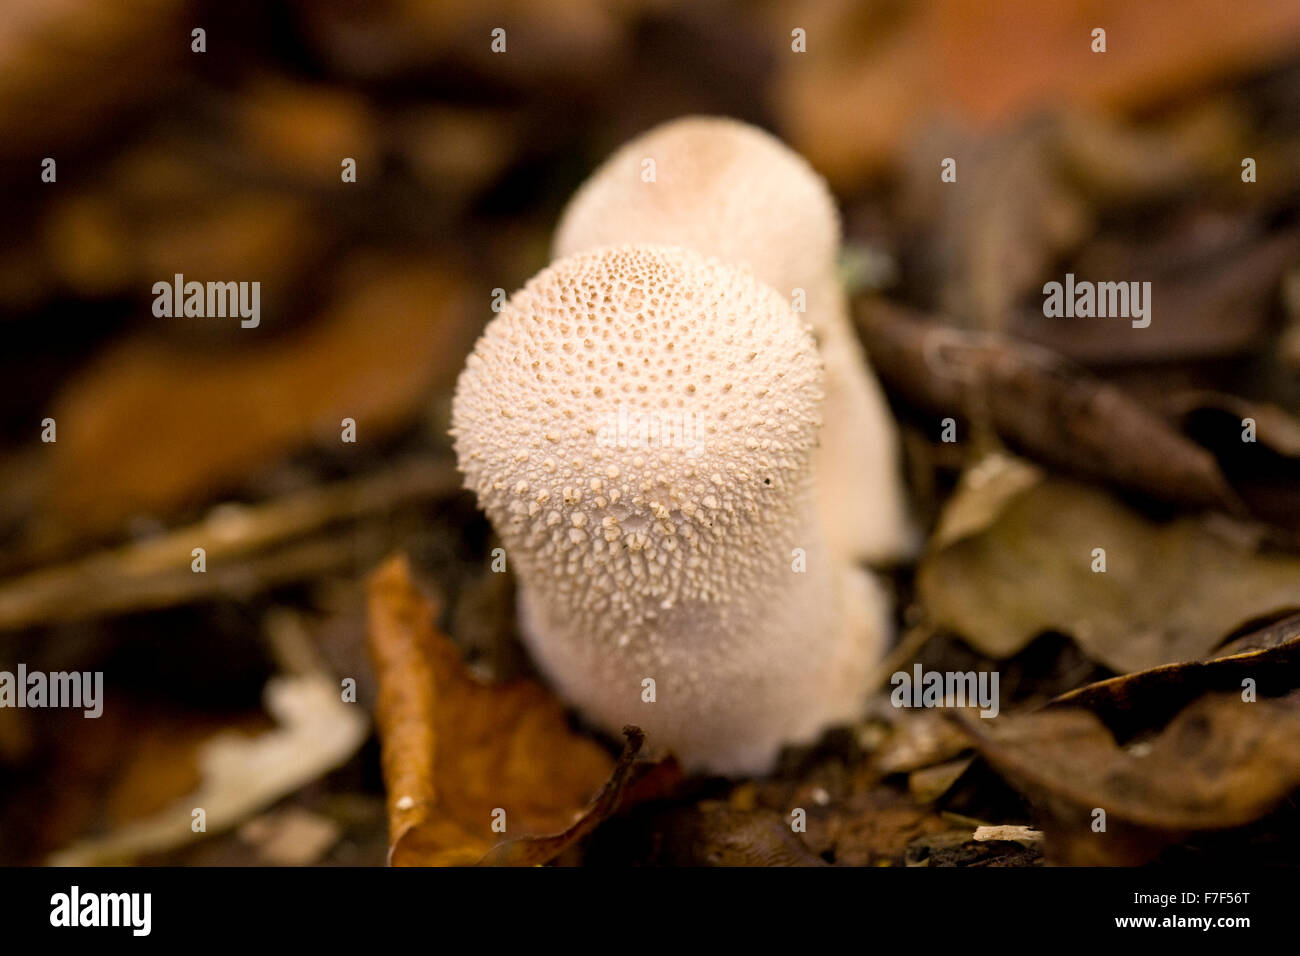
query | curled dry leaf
[1041, 405]
[1160, 767]
[1266, 471]
[536, 850]
[456, 752]
[1220, 763]
[1131, 702]
[1169, 592]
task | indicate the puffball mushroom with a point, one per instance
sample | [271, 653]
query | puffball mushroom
[639, 423]
[732, 191]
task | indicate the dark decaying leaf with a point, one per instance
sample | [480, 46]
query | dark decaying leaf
[1215, 308]
[1219, 764]
[1161, 768]
[1040, 404]
[1265, 471]
[1027, 562]
[1131, 702]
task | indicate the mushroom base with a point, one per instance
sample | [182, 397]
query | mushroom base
[721, 710]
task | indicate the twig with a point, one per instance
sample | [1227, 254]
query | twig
[157, 572]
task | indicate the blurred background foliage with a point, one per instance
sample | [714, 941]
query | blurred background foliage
[225, 165]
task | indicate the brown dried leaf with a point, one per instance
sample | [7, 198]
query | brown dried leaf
[71, 66]
[931, 783]
[302, 131]
[455, 750]
[894, 67]
[150, 428]
[536, 850]
[563, 40]
[989, 244]
[917, 740]
[1041, 405]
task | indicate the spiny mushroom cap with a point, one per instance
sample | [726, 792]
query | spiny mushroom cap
[723, 188]
[637, 423]
[667, 559]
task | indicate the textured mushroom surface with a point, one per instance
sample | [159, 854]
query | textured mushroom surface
[639, 424]
[732, 191]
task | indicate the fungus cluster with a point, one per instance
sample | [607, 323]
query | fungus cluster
[682, 577]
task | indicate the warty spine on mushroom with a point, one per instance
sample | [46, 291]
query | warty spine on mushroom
[730, 190]
[665, 561]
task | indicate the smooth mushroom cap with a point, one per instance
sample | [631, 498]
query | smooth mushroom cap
[639, 425]
[732, 191]
[723, 188]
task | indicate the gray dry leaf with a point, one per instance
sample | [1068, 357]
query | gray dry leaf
[1008, 566]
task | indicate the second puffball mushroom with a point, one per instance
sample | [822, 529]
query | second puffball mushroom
[639, 425]
[735, 192]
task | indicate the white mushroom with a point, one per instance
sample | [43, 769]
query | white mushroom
[734, 192]
[639, 425]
